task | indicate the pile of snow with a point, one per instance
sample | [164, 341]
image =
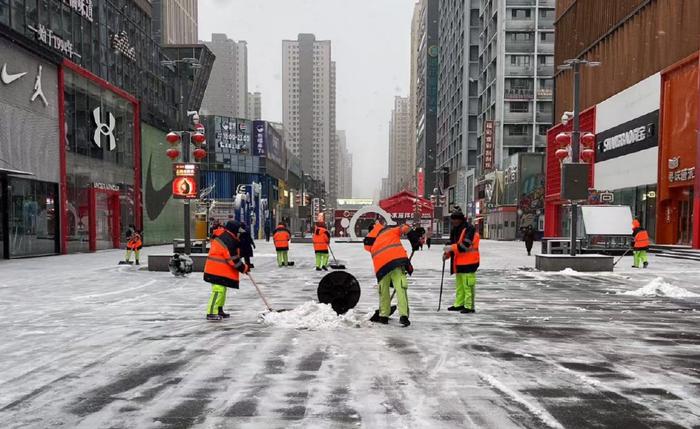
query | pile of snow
[313, 315]
[569, 272]
[658, 287]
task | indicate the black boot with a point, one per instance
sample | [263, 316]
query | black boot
[318, 268]
[403, 320]
[468, 310]
[646, 264]
[222, 314]
[381, 319]
[137, 262]
[213, 317]
[325, 268]
[453, 308]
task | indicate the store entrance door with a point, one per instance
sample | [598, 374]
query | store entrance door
[685, 220]
[105, 227]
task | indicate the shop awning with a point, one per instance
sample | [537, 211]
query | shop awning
[15, 172]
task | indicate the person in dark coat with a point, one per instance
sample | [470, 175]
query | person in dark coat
[529, 238]
[267, 230]
[247, 244]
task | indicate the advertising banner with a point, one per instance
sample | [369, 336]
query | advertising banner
[185, 181]
[260, 138]
[489, 146]
[421, 182]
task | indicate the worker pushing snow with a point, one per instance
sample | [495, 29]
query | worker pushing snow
[223, 268]
[463, 252]
[321, 240]
[281, 238]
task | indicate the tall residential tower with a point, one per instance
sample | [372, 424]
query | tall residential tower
[308, 103]
[227, 91]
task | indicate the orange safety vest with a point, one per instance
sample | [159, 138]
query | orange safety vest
[281, 238]
[321, 239]
[641, 239]
[134, 242]
[372, 236]
[221, 264]
[466, 259]
[387, 251]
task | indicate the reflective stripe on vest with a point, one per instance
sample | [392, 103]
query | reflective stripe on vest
[382, 250]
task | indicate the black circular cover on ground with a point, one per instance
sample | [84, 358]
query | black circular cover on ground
[340, 289]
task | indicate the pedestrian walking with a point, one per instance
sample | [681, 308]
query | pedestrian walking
[223, 268]
[463, 252]
[281, 239]
[391, 266]
[640, 243]
[267, 231]
[429, 237]
[247, 244]
[321, 240]
[529, 238]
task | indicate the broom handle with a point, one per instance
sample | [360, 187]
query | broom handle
[267, 304]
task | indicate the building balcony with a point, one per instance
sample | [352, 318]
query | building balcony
[518, 94]
[544, 48]
[545, 23]
[526, 46]
[517, 117]
[545, 93]
[515, 3]
[526, 24]
[511, 70]
[545, 70]
[545, 117]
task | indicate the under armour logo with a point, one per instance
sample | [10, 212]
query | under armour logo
[103, 129]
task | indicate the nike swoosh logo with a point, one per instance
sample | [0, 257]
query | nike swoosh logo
[156, 200]
[9, 78]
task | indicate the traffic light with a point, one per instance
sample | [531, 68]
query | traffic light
[297, 199]
[307, 200]
[433, 199]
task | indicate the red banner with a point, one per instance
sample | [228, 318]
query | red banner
[489, 146]
[185, 181]
[421, 182]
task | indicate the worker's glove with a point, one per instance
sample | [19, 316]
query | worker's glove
[409, 269]
[445, 256]
[447, 249]
[241, 267]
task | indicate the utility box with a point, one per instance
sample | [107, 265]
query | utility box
[574, 181]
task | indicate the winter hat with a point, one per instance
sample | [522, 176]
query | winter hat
[233, 226]
[457, 215]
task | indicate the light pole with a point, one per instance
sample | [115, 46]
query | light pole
[575, 65]
[186, 136]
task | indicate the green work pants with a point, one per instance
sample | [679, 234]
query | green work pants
[398, 279]
[465, 283]
[128, 255]
[217, 299]
[282, 258]
[640, 257]
[321, 260]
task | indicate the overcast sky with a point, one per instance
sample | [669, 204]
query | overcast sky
[370, 44]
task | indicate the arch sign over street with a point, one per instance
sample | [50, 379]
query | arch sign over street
[363, 211]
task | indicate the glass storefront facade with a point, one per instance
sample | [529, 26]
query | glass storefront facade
[31, 215]
[100, 161]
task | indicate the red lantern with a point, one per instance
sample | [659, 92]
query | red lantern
[199, 138]
[561, 154]
[172, 153]
[563, 139]
[587, 155]
[588, 139]
[199, 154]
[199, 128]
[172, 137]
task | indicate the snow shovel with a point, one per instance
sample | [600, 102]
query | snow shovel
[620, 258]
[267, 304]
[340, 289]
[335, 265]
[442, 281]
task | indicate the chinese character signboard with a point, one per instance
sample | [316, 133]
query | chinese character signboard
[489, 146]
[185, 181]
[421, 182]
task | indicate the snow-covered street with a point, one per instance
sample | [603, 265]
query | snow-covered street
[87, 343]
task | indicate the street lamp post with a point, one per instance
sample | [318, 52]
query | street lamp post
[575, 65]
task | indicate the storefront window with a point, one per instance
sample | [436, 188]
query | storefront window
[99, 165]
[32, 217]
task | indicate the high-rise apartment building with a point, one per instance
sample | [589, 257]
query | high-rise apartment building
[401, 174]
[174, 21]
[334, 157]
[495, 71]
[307, 103]
[344, 166]
[424, 88]
[254, 109]
[227, 91]
[516, 61]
